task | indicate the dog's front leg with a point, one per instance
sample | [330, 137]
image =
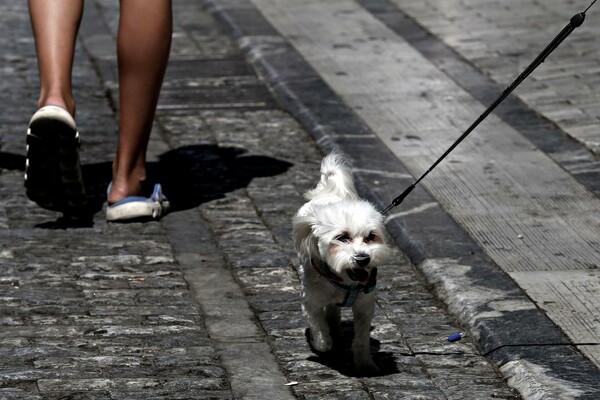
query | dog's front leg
[319, 326]
[363, 310]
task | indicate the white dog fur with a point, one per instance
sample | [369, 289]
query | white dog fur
[339, 239]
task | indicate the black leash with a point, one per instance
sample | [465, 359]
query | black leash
[575, 22]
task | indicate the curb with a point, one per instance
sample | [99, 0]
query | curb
[533, 355]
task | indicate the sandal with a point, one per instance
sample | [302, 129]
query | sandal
[138, 208]
[53, 176]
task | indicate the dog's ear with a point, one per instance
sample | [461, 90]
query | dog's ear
[304, 240]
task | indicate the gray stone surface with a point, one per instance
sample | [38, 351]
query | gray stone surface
[505, 323]
[503, 37]
[203, 305]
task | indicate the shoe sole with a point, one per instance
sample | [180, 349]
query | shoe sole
[137, 211]
[53, 177]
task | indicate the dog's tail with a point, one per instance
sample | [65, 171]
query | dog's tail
[336, 178]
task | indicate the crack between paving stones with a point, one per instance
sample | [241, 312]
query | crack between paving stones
[539, 345]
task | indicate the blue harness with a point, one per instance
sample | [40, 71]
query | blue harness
[351, 292]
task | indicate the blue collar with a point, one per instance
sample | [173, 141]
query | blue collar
[353, 291]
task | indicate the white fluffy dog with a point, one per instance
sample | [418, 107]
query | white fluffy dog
[340, 242]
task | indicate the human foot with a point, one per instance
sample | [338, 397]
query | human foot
[138, 208]
[53, 177]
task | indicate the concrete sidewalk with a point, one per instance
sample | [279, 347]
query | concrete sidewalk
[204, 304]
[517, 203]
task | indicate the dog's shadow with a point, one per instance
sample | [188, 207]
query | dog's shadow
[340, 358]
[190, 176]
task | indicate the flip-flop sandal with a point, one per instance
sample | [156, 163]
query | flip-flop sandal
[138, 208]
[53, 176]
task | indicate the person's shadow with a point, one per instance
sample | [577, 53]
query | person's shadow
[189, 175]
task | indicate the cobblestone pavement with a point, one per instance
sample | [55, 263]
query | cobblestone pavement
[203, 305]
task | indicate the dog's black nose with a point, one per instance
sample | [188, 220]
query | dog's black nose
[362, 260]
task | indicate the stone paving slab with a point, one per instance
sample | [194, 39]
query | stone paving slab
[548, 137]
[502, 37]
[572, 298]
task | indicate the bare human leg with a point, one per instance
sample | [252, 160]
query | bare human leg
[143, 46]
[55, 24]
[53, 176]
[144, 42]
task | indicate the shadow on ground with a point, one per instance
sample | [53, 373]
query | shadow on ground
[341, 358]
[189, 175]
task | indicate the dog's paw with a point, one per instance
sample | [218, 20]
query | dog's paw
[321, 342]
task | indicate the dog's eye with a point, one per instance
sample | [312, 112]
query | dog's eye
[344, 238]
[372, 236]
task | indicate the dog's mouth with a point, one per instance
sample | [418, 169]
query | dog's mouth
[358, 274]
